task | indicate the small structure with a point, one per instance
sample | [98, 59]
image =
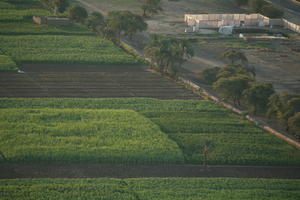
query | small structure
[226, 30]
[50, 20]
[223, 21]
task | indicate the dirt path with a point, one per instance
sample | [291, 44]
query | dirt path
[135, 171]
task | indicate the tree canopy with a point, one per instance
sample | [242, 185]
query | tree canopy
[294, 124]
[232, 87]
[238, 58]
[151, 7]
[57, 6]
[78, 13]
[209, 75]
[124, 22]
[257, 96]
[95, 21]
[168, 53]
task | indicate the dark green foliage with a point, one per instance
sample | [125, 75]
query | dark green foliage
[234, 56]
[57, 6]
[78, 13]
[232, 70]
[95, 21]
[294, 124]
[209, 75]
[168, 54]
[238, 58]
[284, 105]
[257, 96]
[123, 22]
[232, 87]
[151, 7]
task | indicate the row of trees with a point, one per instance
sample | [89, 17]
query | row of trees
[261, 6]
[236, 83]
[117, 23]
[149, 7]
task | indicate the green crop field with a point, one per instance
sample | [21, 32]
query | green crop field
[105, 136]
[191, 124]
[151, 189]
[19, 15]
[63, 49]
[6, 5]
[6, 64]
[29, 28]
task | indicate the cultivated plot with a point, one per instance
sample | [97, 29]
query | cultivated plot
[64, 49]
[194, 126]
[151, 189]
[103, 136]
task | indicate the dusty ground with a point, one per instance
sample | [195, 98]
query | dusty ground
[90, 81]
[277, 63]
[86, 170]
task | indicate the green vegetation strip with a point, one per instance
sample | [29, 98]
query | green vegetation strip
[192, 124]
[64, 49]
[19, 15]
[29, 28]
[151, 189]
[7, 64]
[6, 5]
[105, 136]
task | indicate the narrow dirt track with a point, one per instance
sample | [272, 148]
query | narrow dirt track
[8, 171]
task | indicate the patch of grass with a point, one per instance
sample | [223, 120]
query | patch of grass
[191, 123]
[64, 49]
[7, 64]
[105, 136]
[151, 189]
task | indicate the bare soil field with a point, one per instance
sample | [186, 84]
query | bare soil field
[79, 81]
[60, 170]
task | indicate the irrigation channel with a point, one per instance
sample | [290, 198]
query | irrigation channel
[86, 170]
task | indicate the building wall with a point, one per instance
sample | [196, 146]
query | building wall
[218, 20]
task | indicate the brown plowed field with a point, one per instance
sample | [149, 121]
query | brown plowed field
[90, 81]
